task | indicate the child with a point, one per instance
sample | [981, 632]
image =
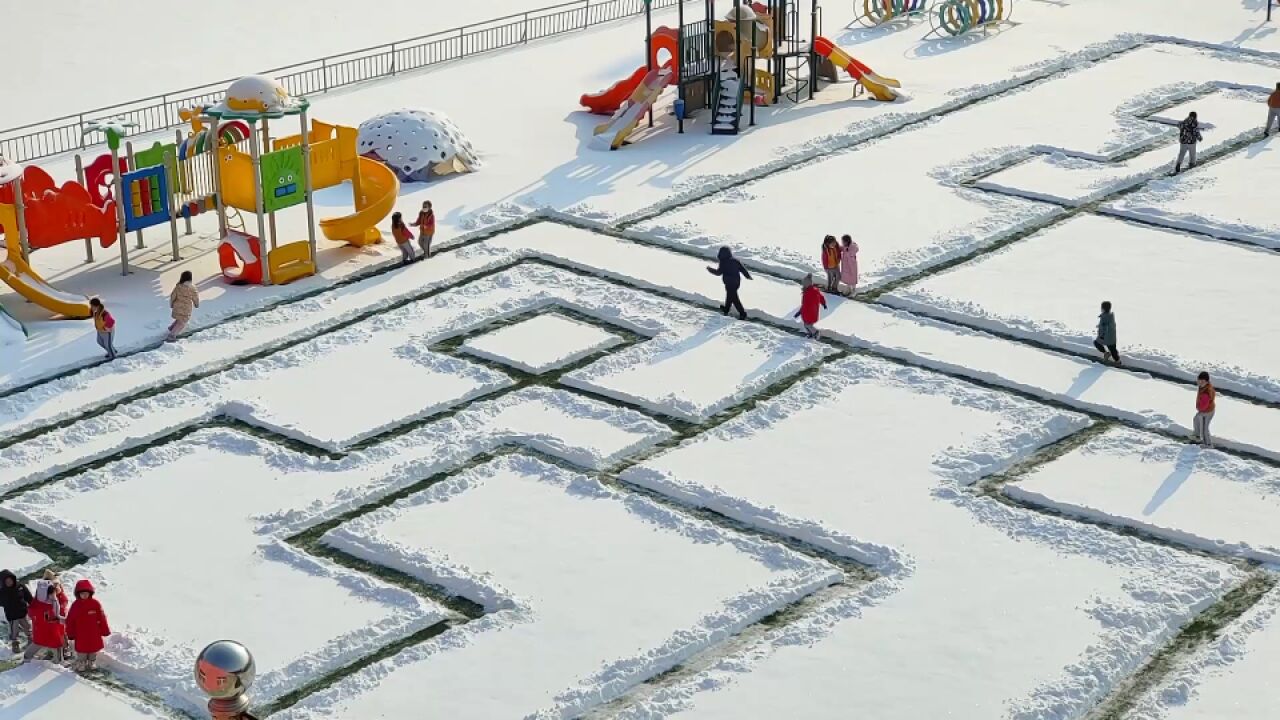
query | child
[106, 327]
[86, 626]
[849, 263]
[831, 262]
[426, 224]
[182, 301]
[16, 599]
[1188, 135]
[1105, 342]
[731, 273]
[48, 620]
[1206, 403]
[404, 238]
[810, 299]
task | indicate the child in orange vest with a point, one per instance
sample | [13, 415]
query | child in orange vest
[404, 238]
[831, 262]
[105, 325]
[1206, 403]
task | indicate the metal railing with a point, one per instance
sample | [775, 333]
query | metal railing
[160, 112]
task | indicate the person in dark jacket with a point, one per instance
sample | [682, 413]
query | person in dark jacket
[1188, 136]
[731, 273]
[16, 598]
[1106, 340]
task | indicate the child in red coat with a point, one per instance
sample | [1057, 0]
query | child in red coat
[811, 298]
[86, 626]
[48, 614]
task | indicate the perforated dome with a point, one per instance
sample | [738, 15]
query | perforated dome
[412, 141]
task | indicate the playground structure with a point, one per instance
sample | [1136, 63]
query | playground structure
[417, 144]
[217, 166]
[288, 174]
[872, 13]
[950, 18]
[757, 54]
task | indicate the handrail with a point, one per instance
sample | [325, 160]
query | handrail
[47, 138]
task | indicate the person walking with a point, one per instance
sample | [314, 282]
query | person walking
[1188, 136]
[86, 626]
[1105, 342]
[731, 273]
[426, 224]
[1273, 111]
[831, 262]
[182, 303]
[1206, 404]
[811, 298]
[16, 600]
[404, 238]
[48, 620]
[849, 263]
[105, 325]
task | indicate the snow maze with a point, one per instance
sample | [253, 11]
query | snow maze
[541, 475]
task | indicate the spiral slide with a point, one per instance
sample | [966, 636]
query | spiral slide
[881, 88]
[376, 189]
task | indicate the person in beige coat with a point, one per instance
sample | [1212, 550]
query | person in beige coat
[183, 301]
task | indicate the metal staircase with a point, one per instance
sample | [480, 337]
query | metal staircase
[728, 110]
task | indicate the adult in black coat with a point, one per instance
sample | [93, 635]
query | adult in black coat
[731, 273]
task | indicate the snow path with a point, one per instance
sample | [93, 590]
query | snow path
[117, 515]
[1076, 382]
[252, 392]
[1069, 179]
[41, 691]
[1204, 499]
[574, 558]
[21, 559]
[1234, 677]
[542, 343]
[1218, 200]
[880, 454]
[1176, 298]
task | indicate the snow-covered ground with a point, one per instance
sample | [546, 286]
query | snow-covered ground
[542, 475]
[1177, 491]
[592, 590]
[1176, 298]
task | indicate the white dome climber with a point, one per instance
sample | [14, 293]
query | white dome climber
[417, 144]
[258, 93]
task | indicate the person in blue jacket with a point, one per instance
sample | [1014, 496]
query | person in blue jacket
[731, 273]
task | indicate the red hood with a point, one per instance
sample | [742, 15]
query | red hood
[84, 586]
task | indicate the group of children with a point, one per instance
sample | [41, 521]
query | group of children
[1107, 343]
[185, 298]
[52, 625]
[426, 224]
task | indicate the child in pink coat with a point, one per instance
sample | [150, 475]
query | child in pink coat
[849, 264]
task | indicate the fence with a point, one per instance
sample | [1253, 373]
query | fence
[160, 112]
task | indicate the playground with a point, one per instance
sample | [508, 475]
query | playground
[545, 473]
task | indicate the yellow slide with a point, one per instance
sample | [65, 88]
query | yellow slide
[17, 274]
[376, 189]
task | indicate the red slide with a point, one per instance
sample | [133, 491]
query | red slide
[608, 101]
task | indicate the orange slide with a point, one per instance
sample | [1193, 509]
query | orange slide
[607, 102]
[881, 88]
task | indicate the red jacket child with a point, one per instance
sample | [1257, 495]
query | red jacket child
[87, 623]
[811, 299]
[48, 612]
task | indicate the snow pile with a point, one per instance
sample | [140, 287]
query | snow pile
[417, 144]
[43, 691]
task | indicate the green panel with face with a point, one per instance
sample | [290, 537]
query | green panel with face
[282, 184]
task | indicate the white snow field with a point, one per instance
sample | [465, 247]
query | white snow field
[42, 691]
[541, 343]
[1199, 498]
[1070, 179]
[1007, 613]
[1175, 296]
[592, 590]
[1218, 199]
[1233, 677]
[541, 475]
